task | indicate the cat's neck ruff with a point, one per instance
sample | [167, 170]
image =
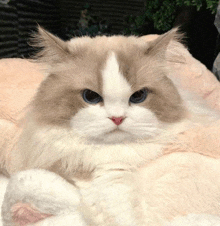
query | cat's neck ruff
[49, 145]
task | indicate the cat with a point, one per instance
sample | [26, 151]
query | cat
[106, 107]
[106, 99]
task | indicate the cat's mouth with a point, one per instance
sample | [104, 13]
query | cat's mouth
[116, 130]
[114, 136]
[117, 135]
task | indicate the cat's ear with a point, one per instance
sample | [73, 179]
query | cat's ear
[170, 43]
[52, 48]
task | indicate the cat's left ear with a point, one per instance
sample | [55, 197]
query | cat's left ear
[52, 48]
[167, 46]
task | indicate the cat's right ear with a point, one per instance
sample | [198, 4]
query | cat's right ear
[52, 49]
[167, 47]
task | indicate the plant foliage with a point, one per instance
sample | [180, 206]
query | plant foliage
[162, 13]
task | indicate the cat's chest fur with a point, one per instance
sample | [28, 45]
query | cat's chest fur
[51, 145]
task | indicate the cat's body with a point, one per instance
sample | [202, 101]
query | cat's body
[106, 109]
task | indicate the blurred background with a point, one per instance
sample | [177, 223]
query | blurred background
[69, 18]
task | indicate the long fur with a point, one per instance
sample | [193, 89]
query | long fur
[55, 144]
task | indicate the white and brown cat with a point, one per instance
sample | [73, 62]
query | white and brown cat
[106, 108]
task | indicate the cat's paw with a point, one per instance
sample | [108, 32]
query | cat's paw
[113, 195]
[34, 195]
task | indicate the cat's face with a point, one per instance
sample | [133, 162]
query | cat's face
[107, 89]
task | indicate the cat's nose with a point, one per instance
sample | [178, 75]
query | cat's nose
[117, 120]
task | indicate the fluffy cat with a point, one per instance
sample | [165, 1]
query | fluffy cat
[106, 100]
[107, 107]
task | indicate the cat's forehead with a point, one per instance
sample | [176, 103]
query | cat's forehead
[115, 87]
[88, 70]
[120, 56]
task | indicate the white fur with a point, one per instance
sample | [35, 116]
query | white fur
[116, 90]
[67, 220]
[36, 184]
[47, 192]
[116, 195]
[94, 121]
[61, 143]
[93, 140]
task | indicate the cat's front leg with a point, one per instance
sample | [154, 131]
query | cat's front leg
[115, 196]
[42, 198]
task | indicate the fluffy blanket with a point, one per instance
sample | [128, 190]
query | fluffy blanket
[55, 200]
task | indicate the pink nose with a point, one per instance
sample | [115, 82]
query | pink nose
[117, 120]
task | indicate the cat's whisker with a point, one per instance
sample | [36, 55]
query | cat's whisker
[146, 126]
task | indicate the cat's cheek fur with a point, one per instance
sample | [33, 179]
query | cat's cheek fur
[93, 124]
[141, 122]
[92, 121]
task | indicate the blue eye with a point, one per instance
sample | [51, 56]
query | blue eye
[138, 96]
[91, 97]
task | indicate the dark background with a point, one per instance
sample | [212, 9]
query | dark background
[19, 19]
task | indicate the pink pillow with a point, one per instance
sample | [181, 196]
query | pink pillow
[19, 79]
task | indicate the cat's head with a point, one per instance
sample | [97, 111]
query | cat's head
[107, 89]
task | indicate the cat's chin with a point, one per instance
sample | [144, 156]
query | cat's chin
[114, 137]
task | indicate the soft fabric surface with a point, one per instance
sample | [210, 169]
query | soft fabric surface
[19, 79]
[47, 199]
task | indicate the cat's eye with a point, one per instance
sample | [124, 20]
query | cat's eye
[138, 96]
[91, 97]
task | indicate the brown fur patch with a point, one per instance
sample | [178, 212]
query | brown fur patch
[60, 94]
[146, 70]
[56, 101]
[165, 101]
